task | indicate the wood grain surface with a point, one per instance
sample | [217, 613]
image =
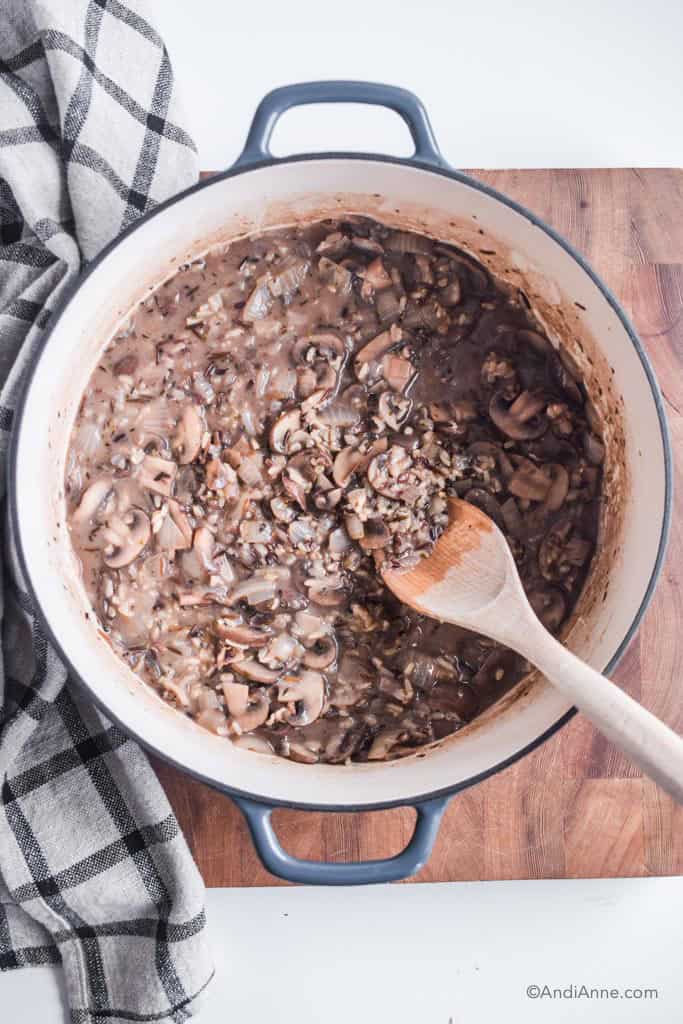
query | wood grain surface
[574, 808]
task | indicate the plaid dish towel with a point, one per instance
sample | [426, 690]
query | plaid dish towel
[94, 871]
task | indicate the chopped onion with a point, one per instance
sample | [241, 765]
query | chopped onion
[287, 283]
[259, 302]
[254, 531]
[249, 469]
[191, 565]
[339, 541]
[262, 378]
[87, 439]
[203, 388]
[247, 417]
[312, 627]
[301, 532]
[169, 537]
[155, 420]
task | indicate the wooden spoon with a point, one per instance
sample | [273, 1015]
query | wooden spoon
[471, 579]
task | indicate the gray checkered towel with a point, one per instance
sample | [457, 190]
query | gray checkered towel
[93, 869]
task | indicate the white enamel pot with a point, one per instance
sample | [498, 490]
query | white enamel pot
[421, 193]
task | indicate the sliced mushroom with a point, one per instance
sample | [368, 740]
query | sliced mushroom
[383, 743]
[356, 397]
[398, 372]
[367, 361]
[521, 419]
[254, 743]
[214, 720]
[282, 650]
[255, 715]
[93, 500]
[219, 476]
[298, 478]
[242, 634]
[157, 474]
[309, 627]
[389, 474]
[366, 244]
[563, 551]
[126, 537]
[328, 591]
[188, 436]
[345, 465]
[529, 481]
[338, 414]
[236, 698]
[322, 653]
[394, 409]
[307, 691]
[255, 590]
[335, 243]
[559, 487]
[496, 452]
[354, 460]
[286, 435]
[376, 275]
[326, 500]
[252, 669]
[321, 345]
[300, 752]
[512, 518]
[316, 382]
[282, 511]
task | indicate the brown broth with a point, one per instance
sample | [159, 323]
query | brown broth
[279, 420]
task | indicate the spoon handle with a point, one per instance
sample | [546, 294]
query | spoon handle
[649, 743]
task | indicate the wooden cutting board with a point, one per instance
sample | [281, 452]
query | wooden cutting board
[575, 808]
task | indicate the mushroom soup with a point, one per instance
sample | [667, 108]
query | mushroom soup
[275, 423]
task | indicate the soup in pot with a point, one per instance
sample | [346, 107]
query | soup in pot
[279, 421]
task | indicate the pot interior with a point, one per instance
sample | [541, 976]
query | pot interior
[572, 306]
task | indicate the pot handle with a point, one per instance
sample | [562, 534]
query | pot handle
[308, 872]
[274, 104]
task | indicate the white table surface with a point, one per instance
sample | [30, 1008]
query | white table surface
[530, 83]
[535, 83]
[455, 953]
